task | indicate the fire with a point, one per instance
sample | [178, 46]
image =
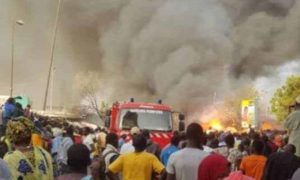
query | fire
[210, 119]
[216, 124]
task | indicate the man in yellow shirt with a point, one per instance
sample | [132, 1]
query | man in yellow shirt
[138, 165]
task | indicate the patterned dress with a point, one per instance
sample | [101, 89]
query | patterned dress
[32, 165]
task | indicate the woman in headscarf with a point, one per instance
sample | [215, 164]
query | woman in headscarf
[26, 162]
[213, 167]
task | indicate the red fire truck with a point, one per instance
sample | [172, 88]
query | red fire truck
[155, 117]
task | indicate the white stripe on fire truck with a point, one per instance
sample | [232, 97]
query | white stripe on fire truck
[165, 136]
[157, 135]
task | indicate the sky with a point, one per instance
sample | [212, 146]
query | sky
[268, 85]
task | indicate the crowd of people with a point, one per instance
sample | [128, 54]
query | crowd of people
[39, 148]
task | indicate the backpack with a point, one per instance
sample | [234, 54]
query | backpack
[103, 172]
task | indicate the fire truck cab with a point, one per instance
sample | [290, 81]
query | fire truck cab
[155, 117]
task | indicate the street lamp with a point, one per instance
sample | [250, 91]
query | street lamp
[20, 23]
[58, 12]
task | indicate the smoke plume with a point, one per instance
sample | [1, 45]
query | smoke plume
[183, 52]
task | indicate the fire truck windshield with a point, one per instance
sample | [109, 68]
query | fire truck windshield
[146, 119]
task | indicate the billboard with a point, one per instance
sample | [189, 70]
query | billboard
[248, 114]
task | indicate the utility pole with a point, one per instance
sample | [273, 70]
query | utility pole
[52, 88]
[58, 13]
[20, 23]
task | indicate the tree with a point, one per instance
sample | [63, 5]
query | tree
[284, 97]
[87, 84]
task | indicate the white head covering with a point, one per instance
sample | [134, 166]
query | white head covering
[135, 130]
[57, 132]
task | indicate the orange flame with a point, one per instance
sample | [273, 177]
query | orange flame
[216, 124]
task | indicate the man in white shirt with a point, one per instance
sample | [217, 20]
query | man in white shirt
[183, 164]
[88, 140]
[62, 154]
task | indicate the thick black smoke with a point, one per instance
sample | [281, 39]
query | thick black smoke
[180, 51]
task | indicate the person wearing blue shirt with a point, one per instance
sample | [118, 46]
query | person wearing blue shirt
[9, 109]
[122, 140]
[58, 137]
[173, 147]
